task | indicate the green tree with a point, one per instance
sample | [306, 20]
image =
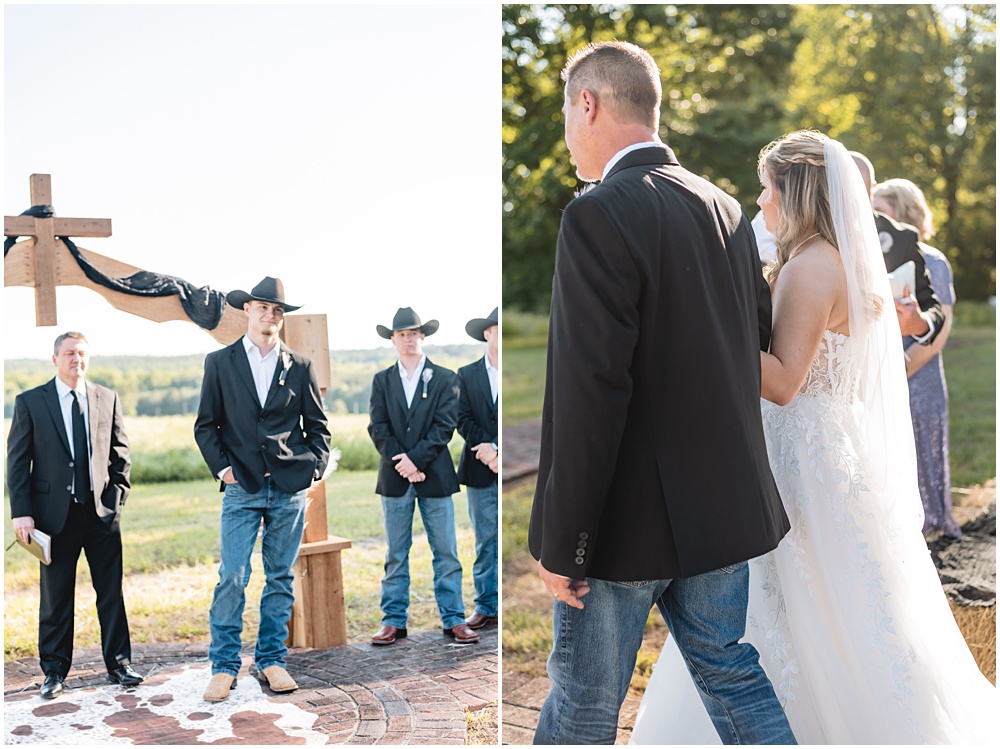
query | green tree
[914, 87]
[725, 71]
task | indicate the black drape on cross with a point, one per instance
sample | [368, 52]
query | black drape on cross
[203, 305]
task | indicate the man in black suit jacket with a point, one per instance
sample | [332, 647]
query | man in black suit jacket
[653, 483]
[925, 319]
[57, 488]
[479, 463]
[262, 430]
[414, 406]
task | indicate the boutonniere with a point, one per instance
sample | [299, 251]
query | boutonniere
[426, 377]
[286, 364]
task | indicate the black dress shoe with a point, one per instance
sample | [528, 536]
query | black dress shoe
[52, 687]
[125, 676]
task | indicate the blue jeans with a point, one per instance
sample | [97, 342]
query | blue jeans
[483, 514]
[594, 654]
[438, 514]
[283, 514]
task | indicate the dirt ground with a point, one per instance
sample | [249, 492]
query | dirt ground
[968, 503]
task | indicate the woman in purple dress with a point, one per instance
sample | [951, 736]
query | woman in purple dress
[903, 201]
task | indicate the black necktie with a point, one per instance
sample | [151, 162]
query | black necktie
[81, 453]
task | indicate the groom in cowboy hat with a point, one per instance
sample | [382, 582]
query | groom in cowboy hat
[479, 463]
[262, 431]
[414, 408]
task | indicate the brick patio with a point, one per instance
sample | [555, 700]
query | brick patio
[414, 692]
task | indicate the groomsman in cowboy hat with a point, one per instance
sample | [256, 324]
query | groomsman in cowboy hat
[262, 431]
[414, 408]
[479, 462]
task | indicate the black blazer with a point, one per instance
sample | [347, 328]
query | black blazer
[422, 431]
[39, 461]
[899, 245]
[287, 438]
[477, 423]
[653, 463]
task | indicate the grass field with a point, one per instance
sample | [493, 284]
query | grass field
[163, 447]
[170, 535]
[970, 366]
[970, 369]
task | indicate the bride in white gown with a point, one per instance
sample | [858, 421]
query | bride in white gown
[848, 614]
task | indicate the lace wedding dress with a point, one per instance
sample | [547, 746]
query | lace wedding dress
[847, 613]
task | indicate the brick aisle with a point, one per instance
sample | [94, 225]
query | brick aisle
[414, 692]
[519, 454]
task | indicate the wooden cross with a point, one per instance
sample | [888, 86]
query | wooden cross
[45, 231]
[319, 617]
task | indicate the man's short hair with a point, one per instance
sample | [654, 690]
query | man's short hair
[624, 78]
[68, 334]
[864, 164]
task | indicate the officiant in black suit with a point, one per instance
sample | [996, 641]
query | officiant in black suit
[653, 484]
[68, 476]
[900, 244]
[262, 430]
[413, 412]
[478, 465]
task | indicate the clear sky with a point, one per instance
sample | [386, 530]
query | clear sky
[349, 150]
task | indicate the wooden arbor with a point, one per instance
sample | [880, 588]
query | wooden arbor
[43, 262]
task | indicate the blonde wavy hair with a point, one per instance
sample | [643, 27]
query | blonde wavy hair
[796, 170]
[908, 205]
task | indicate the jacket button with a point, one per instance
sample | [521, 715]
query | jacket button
[579, 560]
[260, 418]
[407, 429]
[69, 488]
[71, 464]
[263, 448]
[584, 535]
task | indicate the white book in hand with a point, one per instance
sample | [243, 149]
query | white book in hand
[40, 545]
[903, 277]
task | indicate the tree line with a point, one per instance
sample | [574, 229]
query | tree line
[171, 385]
[911, 86]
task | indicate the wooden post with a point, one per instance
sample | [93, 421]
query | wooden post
[319, 616]
[45, 253]
[306, 334]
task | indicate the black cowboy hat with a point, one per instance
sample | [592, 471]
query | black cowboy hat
[477, 326]
[269, 290]
[406, 319]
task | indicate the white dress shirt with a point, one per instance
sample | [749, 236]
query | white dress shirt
[493, 373]
[65, 393]
[410, 382]
[261, 367]
[767, 247]
[628, 149]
